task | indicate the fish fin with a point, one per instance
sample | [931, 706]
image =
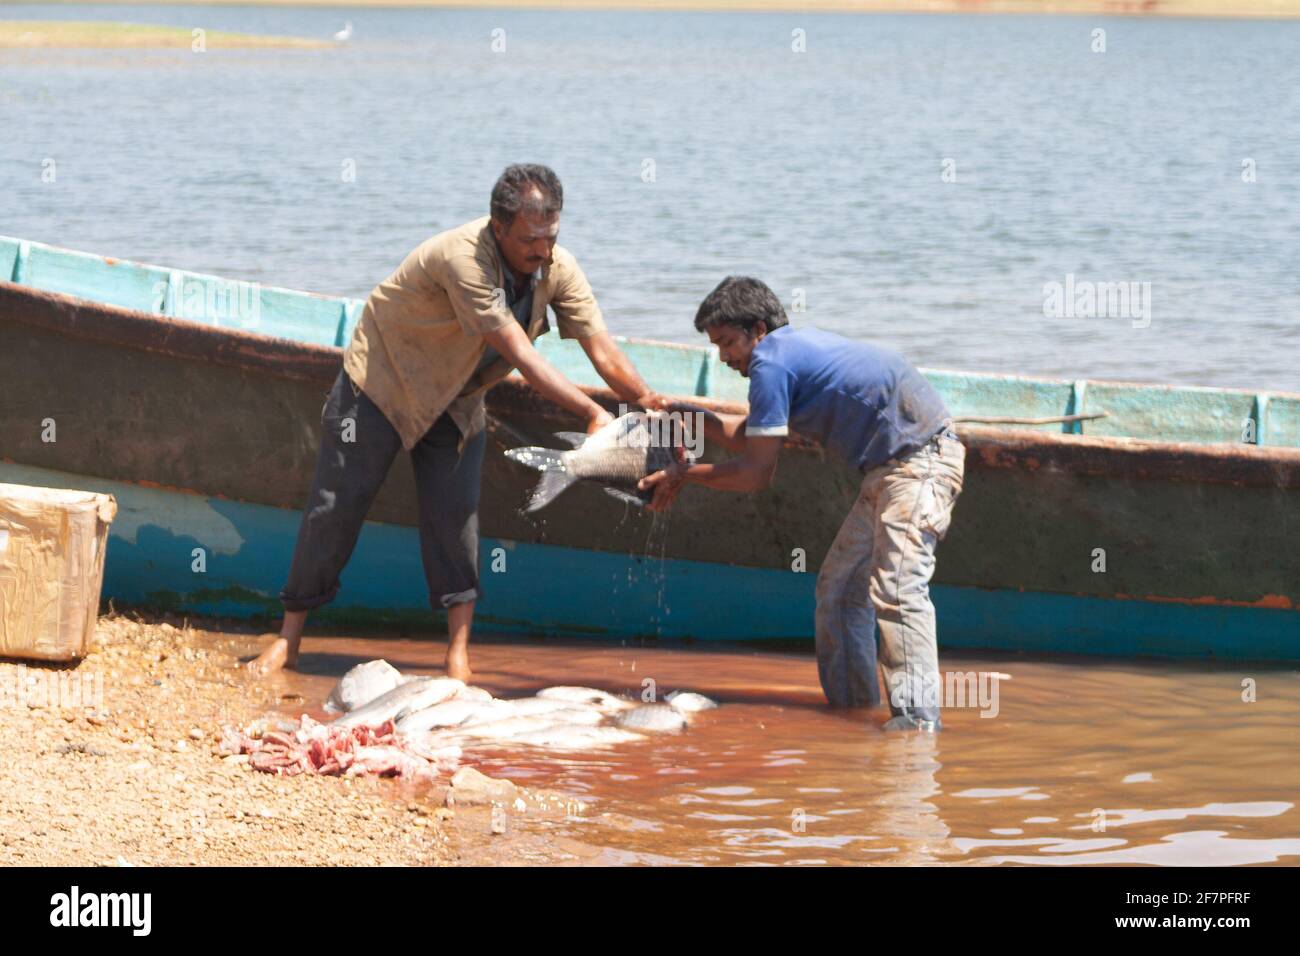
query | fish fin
[552, 483]
[543, 459]
[576, 439]
[625, 497]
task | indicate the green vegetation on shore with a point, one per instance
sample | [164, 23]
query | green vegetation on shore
[46, 34]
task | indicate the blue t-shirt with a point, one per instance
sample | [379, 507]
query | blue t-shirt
[863, 403]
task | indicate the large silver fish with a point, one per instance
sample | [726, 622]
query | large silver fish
[362, 683]
[686, 702]
[587, 697]
[617, 456]
[575, 737]
[447, 714]
[516, 725]
[408, 698]
[658, 718]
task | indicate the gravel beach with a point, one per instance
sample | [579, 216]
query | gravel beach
[114, 762]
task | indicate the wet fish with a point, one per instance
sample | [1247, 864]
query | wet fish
[412, 696]
[447, 714]
[617, 456]
[586, 695]
[362, 683]
[569, 737]
[503, 729]
[488, 711]
[690, 703]
[528, 706]
[430, 747]
[512, 727]
[588, 716]
[656, 718]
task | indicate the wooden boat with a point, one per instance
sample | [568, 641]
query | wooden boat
[1169, 527]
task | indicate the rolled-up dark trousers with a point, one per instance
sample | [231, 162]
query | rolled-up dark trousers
[357, 447]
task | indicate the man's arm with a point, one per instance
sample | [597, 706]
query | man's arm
[513, 345]
[752, 470]
[721, 428]
[579, 318]
[614, 367]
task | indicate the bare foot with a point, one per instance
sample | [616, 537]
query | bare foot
[458, 664]
[276, 657]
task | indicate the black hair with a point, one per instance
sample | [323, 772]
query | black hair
[743, 302]
[513, 192]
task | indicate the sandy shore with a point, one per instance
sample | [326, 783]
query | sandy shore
[43, 34]
[115, 762]
[1184, 8]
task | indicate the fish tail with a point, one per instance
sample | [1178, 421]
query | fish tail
[552, 483]
[555, 473]
[542, 459]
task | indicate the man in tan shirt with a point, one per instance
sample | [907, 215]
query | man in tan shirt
[459, 313]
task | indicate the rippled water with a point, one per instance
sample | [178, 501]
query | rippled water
[1084, 762]
[818, 171]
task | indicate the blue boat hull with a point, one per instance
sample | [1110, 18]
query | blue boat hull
[574, 592]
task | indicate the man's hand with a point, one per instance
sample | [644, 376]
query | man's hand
[654, 402]
[598, 422]
[666, 484]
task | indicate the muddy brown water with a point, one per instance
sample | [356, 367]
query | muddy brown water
[1085, 761]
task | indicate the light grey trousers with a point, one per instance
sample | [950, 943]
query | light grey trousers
[878, 569]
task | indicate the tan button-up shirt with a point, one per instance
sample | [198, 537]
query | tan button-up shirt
[419, 341]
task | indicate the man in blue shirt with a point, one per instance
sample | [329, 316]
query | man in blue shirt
[872, 409]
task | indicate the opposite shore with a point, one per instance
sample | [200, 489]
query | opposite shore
[76, 34]
[1171, 8]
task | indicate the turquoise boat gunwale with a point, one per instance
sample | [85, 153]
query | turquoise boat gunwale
[996, 446]
[1272, 417]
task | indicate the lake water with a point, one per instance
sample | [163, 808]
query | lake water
[1090, 761]
[822, 172]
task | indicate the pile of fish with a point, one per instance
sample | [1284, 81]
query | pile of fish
[435, 714]
[394, 725]
[561, 718]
